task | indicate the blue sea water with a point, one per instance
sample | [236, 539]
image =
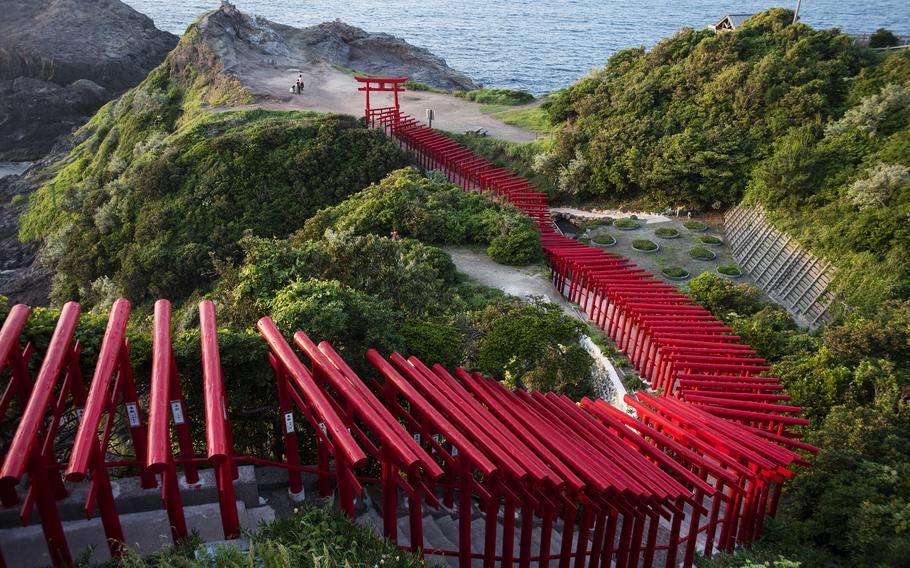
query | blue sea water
[533, 45]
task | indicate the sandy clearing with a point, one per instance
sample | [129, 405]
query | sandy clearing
[330, 90]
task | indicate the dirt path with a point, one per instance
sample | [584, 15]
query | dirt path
[330, 90]
[520, 281]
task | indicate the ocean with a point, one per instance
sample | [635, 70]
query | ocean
[533, 45]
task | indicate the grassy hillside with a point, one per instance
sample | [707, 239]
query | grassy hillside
[160, 186]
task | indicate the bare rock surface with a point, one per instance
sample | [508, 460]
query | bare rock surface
[61, 60]
[245, 43]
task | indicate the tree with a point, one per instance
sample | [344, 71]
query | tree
[882, 38]
[880, 182]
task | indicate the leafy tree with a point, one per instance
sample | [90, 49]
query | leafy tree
[882, 38]
[535, 347]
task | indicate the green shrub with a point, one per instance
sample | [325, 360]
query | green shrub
[518, 246]
[693, 225]
[535, 346]
[675, 272]
[626, 224]
[729, 270]
[155, 229]
[710, 240]
[496, 96]
[701, 253]
[666, 233]
[433, 342]
[644, 245]
[669, 125]
[604, 239]
[431, 211]
[883, 38]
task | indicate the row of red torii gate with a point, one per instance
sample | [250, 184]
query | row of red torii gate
[696, 467]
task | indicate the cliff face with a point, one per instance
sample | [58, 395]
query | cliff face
[243, 42]
[60, 60]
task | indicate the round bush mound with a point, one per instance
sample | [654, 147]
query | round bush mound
[666, 233]
[604, 240]
[730, 270]
[701, 253]
[644, 245]
[591, 223]
[695, 225]
[676, 272]
[626, 224]
[710, 240]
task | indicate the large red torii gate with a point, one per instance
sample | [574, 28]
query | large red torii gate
[381, 85]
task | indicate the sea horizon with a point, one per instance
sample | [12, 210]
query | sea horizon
[535, 46]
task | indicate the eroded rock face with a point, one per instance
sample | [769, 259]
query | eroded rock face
[244, 42]
[60, 60]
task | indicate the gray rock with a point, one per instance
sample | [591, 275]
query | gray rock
[243, 42]
[61, 60]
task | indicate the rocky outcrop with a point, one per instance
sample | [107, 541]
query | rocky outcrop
[243, 42]
[35, 113]
[60, 60]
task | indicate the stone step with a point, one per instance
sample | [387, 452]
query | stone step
[145, 532]
[132, 498]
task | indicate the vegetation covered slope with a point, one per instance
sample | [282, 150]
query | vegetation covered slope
[433, 212]
[685, 123]
[850, 508]
[159, 186]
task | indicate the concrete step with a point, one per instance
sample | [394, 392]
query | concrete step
[132, 498]
[145, 532]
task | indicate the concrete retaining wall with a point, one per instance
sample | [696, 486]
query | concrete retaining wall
[790, 275]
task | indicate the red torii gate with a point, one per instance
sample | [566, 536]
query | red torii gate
[381, 85]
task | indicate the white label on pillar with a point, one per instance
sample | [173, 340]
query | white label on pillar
[288, 422]
[417, 437]
[454, 451]
[224, 408]
[323, 428]
[177, 412]
[132, 413]
[436, 437]
[79, 412]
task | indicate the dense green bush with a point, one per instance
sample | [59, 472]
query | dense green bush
[496, 96]
[842, 189]
[852, 380]
[675, 272]
[153, 229]
[685, 123]
[604, 239]
[536, 347]
[693, 225]
[433, 212]
[729, 270]
[666, 233]
[518, 245]
[710, 240]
